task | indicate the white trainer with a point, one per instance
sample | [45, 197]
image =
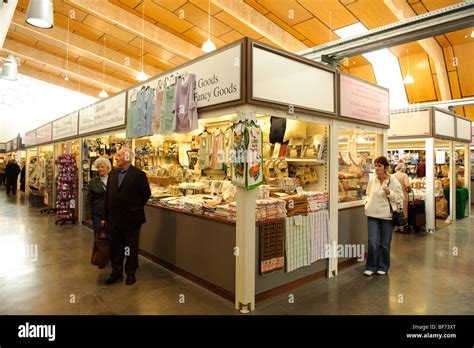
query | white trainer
[381, 272]
[368, 273]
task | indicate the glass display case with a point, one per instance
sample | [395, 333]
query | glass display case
[357, 152]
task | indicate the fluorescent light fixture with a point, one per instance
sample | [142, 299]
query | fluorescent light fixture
[10, 68]
[103, 94]
[472, 34]
[40, 14]
[385, 65]
[142, 76]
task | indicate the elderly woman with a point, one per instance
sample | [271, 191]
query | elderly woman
[95, 197]
[383, 191]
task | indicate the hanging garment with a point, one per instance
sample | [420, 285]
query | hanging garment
[131, 114]
[149, 96]
[155, 125]
[183, 154]
[166, 114]
[217, 150]
[185, 107]
[227, 167]
[204, 152]
[140, 115]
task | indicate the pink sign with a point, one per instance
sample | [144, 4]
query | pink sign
[472, 136]
[364, 101]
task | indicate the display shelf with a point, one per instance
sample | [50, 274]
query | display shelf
[311, 161]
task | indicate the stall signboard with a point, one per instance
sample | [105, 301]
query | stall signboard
[281, 79]
[43, 134]
[3, 147]
[472, 136]
[106, 114]
[15, 144]
[9, 146]
[66, 126]
[364, 101]
[399, 122]
[445, 124]
[218, 78]
[440, 157]
[30, 138]
[463, 129]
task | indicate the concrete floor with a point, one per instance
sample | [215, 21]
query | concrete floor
[426, 276]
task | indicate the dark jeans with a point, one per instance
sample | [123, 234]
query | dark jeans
[125, 244]
[380, 237]
[2, 179]
[11, 185]
[96, 225]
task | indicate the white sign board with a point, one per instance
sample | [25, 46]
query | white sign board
[9, 146]
[66, 126]
[463, 129]
[43, 134]
[283, 80]
[399, 122]
[3, 146]
[218, 78]
[364, 101]
[107, 114]
[444, 124]
[30, 138]
[15, 144]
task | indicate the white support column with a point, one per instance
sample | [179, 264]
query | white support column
[467, 176]
[333, 196]
[245, 239]
[384, 143]
[452, 183]
[430, 193]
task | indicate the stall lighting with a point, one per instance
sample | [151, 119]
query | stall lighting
[472, 34]
[40, 14]
[408, 80]
[209, 46]
[10, 68]
[142, 76]
[103, 94]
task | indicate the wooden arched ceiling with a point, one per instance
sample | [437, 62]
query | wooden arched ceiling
[175, 30]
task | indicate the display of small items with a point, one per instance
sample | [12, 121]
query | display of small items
[66, 189]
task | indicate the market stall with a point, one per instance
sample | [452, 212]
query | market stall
[434, 153]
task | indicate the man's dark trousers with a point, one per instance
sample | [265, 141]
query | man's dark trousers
[125, 244]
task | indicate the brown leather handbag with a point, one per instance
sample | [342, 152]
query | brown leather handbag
[101, 250]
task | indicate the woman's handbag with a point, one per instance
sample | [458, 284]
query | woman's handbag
[101, 249]
[398, 217]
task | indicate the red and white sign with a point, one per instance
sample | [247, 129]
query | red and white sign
[363, 101]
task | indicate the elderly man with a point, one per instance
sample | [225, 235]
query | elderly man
[12, 170]
[127, 193]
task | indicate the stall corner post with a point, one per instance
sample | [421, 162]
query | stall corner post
[452, 182]
[245, 239]
[467, 177]
[333, 196]
[430, 193]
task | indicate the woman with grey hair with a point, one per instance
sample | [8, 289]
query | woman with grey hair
[95, 197]
[402, 177]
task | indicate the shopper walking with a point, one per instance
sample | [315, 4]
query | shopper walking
[382, 191]
[12, 170]
[2, 173]
[95, 197]
[421, 169]
[402, 177]
[22, 177]
[126, 195]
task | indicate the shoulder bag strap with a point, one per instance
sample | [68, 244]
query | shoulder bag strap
[388, 199]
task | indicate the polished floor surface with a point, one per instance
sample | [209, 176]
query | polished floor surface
[45, 269]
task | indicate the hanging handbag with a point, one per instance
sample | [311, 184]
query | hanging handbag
[398, 217]
[101, 249]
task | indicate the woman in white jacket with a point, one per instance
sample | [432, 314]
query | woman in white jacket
[382, 190]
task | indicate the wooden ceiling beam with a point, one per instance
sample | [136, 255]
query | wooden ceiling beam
[132, 23]
[402, 10]
[83, 47]
[261, 24]
[58, 81]
[59, 64]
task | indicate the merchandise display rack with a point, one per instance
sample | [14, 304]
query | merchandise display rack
[66, 189]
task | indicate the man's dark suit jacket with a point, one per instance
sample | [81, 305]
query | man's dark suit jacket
[124, 205]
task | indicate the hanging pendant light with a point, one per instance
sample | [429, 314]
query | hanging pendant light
[103, 93]
[142, 76]
[10, 68]
[40, 14]
[209, 46]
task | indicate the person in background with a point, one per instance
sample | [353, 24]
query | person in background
[22, 176]
[421, 170]
[126, 195]
[2, 173]
[95, 197]
[402, 177]
[383, 190]
[12, 170]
